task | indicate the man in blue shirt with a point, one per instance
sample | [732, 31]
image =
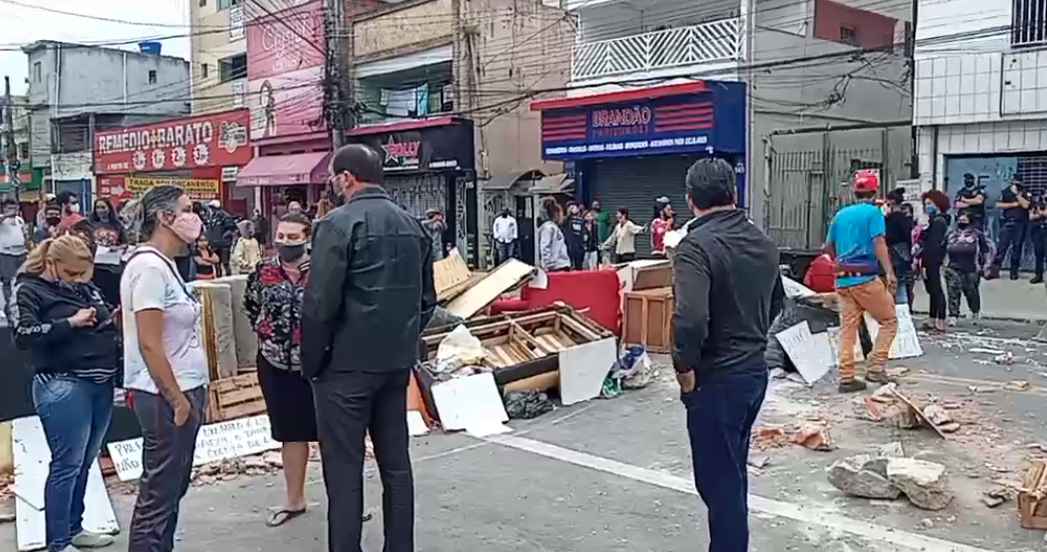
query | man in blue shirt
[857, 245]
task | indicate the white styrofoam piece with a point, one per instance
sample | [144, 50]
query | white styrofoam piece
[583, 369]
[32, 457]
[468, 403]
[416, 424]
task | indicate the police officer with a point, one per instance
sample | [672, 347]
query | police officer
[1014, 206]
[1038, 233]
[970, 201]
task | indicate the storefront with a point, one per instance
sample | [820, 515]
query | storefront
[287, 169]
[430, 164]
[628, 148]
[192, 153]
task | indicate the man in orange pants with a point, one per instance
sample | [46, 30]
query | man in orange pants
[856, 243]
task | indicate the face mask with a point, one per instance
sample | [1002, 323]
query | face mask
[74, 207]
[290, 251]
[968, 184]
[187, 226]
[930, 209]
[53, 221]
[962, 225]
[103, 215]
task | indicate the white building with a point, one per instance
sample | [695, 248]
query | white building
[981, 93]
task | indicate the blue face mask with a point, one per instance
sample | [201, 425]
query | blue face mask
[930, 209]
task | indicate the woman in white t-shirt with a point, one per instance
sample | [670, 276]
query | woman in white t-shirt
[165, 366]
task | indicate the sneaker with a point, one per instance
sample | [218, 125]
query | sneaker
[92, 540]
[952, 320]
[1014, 276]
[852, 386]
[1036, 280]
[880, 377]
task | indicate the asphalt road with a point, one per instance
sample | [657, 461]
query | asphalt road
[615, 475]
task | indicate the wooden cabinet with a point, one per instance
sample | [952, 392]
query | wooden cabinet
[646, 319]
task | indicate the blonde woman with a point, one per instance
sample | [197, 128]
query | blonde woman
[68, 329]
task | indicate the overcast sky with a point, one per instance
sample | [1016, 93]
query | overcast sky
[24, 25]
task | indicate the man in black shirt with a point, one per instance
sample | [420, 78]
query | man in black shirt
[725, 270]
[1014, 222]
[574, 235]
[970, 201]
[370, 293]
[1038, 234]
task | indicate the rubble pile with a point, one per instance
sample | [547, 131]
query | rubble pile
[888, 474]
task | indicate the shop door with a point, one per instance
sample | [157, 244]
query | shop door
[420, 193]
[636, 182]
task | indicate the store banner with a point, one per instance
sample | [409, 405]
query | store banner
[438, 148]
[286, 41]
[287, 105]
[119, 187]
[712, 121]
[211, 140]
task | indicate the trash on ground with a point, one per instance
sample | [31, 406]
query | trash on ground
[898, 372]
[769, 437]
[1006, 358]
[986, 351]
[997, 496]
[1018, 385]
[526, 405]
[864, 475]
[941, 419]
[758, 462]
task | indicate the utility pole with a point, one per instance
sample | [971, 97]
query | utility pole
[10, 151]
[338, 83]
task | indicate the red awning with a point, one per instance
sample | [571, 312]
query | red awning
[285, 170]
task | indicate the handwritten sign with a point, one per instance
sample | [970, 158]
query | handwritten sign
[812, 356]
[796, 290]
[215, 443]
[834, 345]
[906, 343]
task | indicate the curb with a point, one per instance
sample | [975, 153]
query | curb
[997, 318]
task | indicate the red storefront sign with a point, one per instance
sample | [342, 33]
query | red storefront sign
[114, 188]
[212, 140]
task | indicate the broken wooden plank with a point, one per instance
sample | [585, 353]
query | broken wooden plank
[506, 277]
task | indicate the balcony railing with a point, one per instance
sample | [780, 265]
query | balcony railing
[716, 41]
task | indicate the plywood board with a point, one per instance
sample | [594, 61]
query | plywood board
[506, 277]
[32, 457]
[471, 403]
[449, 273]
[583, 369]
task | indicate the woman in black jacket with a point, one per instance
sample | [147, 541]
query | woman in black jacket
[932, 255]
[898, 235]
[68, 329]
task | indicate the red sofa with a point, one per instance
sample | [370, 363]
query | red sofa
[595, 291]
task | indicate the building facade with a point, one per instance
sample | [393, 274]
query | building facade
[28, 179]
[75, 90]
[981, 107]
[804, 66]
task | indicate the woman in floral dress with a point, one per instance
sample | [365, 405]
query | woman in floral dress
[273, 302]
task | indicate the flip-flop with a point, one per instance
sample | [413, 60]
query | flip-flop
[282, 516]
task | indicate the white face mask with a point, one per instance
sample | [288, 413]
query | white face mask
[74, 208]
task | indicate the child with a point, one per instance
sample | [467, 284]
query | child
[247, 252]
[206, 259]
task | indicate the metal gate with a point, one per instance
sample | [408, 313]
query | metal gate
[806, 185]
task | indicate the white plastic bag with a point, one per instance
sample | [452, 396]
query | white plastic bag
[459, 348]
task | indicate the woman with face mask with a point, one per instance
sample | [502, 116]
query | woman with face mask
[108, 232]
[273, 303]
[931, 253]
[165, 365]
[67, 327]
[970, 256]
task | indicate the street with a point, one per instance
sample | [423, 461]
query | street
[615, 474]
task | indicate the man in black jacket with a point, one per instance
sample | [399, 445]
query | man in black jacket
[725, 270]
[370, 294]
[574, 235]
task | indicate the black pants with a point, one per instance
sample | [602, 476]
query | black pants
[167, 465]
[935, 294]
[625, 257]
[720, 417]
[348, 406]
[223, 268]
[1038, 237]
[1012, 238]
[107, 278]
[577, 258]
[963, 283]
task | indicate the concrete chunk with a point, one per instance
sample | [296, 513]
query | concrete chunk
[863, 475]
[924, 483]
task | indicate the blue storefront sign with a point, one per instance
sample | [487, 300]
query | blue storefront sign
[701, 116]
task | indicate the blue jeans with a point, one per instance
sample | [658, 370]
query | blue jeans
[505, 251]
[901, 295]
[75, 414]
[720, 416]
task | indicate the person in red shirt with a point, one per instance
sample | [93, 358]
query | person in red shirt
[70, 205]
[660, 225]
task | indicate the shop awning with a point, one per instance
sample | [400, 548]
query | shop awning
[554, 184]
[285, 170]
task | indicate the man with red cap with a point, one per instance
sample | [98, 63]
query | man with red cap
[856, 243]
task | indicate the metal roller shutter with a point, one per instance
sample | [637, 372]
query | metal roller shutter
[418, 193]
[634, 183]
